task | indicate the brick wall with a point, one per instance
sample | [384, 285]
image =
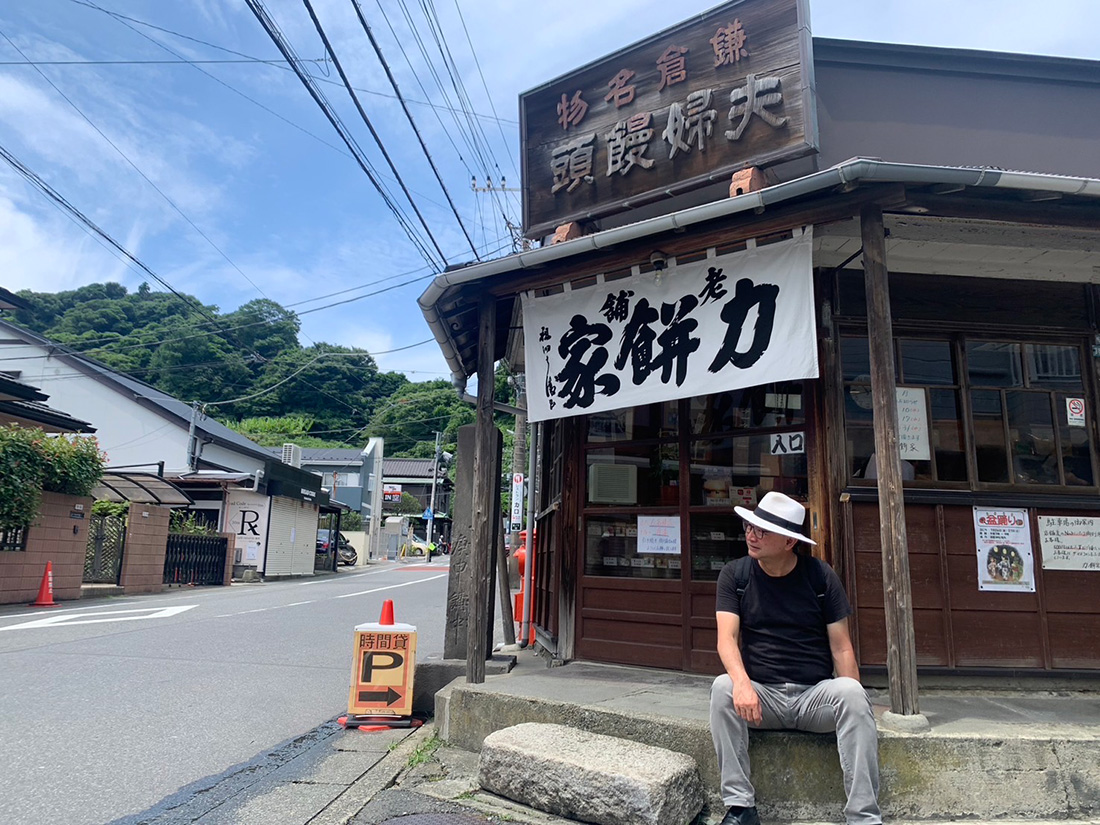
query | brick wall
[58, 535]
[146, 541]
[229, 544]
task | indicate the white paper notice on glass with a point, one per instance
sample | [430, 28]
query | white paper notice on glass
[659, 534]
[913, 424]
[1005, 558]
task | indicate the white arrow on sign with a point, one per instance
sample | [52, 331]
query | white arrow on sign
[111, 616]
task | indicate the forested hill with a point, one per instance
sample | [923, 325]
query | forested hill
[320, 395]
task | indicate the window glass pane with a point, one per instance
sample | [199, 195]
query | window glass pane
[770, 405]
[994, 364]
[634, 475]
[611, 549]
[635, 423]
[926, 362]
[855, 358]
[989, 436]
[1053, 366]
[947, 435]
[715, 539]
[861, 446]
[728, 471]
[1076, 450]
[1031, 434]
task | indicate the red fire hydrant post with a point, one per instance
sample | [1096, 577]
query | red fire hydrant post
[521, 559]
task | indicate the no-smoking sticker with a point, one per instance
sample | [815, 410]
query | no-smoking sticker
[1075, 412]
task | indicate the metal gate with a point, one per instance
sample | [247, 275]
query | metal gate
[106, 541]
[191, 559]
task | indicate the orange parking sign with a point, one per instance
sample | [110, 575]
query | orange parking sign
[383, 665]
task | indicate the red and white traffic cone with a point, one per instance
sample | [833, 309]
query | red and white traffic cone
[45, 590]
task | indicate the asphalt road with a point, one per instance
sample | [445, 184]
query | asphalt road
[109, 706]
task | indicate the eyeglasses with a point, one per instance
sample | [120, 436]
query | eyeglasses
[757, 531]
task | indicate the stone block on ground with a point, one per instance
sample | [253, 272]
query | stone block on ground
[590, 776]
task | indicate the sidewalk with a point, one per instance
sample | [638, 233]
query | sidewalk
[1029, 751]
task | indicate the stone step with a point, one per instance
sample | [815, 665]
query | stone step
[975, 771]
[589, 776]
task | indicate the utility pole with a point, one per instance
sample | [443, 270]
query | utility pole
[192, 438]
[431, 499]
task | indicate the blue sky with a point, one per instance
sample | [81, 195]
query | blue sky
[267, 201]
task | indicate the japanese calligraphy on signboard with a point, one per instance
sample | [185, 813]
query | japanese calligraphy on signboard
[720, 323]
[729, 89]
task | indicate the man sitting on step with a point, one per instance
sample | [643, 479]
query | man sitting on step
[782, 633]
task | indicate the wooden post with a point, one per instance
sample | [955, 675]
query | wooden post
[484, 544]
[901, 666]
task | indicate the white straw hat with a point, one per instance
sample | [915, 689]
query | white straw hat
[777, 513]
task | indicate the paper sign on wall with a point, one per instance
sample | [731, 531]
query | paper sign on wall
[1070, 542]
[659, 534]
[1005, 559]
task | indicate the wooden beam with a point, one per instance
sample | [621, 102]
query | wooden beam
[901, 665]
[826, 208]
[483, 546]
[1055, 214]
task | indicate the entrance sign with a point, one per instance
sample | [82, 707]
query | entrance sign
[721, 323]
[391, 493]
[1070, 542]
[383, 665]
[728, 89]
[1005, 560]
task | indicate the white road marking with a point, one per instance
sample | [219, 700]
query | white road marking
[390, 587]
[111, 616]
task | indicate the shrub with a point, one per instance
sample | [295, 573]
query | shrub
[32, 461]
[187, 521]
[115, 509]
[73, 465]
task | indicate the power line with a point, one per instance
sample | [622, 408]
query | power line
[284, 47]
[370, 126]
[92, 227]
[412, 123]
[245, 58]
[137, 169]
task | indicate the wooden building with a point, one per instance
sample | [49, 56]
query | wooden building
[963, 292]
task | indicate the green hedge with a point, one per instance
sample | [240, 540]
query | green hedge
[32, 461]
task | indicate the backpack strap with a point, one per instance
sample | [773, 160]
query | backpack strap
[817, 577]
[741, 576]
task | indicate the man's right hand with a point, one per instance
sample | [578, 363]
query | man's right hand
[746, 703]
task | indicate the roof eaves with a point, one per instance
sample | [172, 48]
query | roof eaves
[847, 172]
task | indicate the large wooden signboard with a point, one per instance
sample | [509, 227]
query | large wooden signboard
[729, 89]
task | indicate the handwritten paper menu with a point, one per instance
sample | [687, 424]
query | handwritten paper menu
[913, 424]
[1070, 542]
[659, 534]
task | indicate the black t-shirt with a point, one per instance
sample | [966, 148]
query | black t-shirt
[783, 636]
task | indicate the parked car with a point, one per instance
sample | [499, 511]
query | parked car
[345, 553]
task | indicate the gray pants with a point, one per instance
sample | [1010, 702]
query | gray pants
[839, 705]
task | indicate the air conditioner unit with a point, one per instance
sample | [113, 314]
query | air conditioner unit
[292, 455]
[613, 484]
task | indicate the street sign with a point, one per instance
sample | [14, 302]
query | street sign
[517, 501]
[383, 665]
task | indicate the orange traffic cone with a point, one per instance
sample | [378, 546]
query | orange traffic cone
[45, 590]
[387, 612]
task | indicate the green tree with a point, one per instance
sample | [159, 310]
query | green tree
[412, 415]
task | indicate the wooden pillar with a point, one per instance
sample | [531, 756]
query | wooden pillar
[484, 537]
[901, 666]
